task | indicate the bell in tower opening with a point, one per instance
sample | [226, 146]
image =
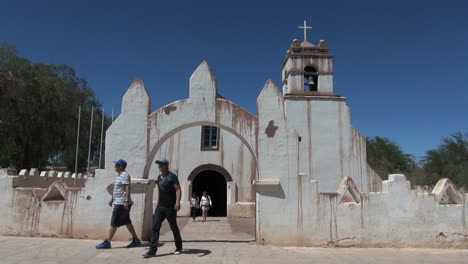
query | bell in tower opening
[308, 69]
[310, 79]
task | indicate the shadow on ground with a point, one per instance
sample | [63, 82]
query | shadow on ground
[219, 241]
[143, 244]
[192, 251]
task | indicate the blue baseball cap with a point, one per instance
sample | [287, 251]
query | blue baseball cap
[162, 161]
[121, 162]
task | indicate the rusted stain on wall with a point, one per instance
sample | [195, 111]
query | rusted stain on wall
[240, 169]
[170, 108]
[241, 120]
[340, 128]
[27, 209]
[68, 213]
[227, 114]
[154, 120]
[270, 130]
[364, 199]
[300, 217]
[327, 203]
[357, 152]
[253, 174]
[221, 148]
[179, 152]
[29, 203]
[160, 113]
[309, 139]
[170, 152]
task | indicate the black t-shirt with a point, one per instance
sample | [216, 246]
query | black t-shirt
[167, 192]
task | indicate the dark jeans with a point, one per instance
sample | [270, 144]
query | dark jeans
[193, 212]
[160, 214]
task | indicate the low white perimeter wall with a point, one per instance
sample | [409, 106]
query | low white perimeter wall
[85, 214]
[397, 217]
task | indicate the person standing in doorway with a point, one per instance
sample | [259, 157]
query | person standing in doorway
[194, 205]
[168, 205]
[205, 204]
[122, 205]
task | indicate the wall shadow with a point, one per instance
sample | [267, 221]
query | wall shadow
[271, 191]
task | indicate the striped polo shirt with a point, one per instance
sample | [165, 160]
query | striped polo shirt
[119, 189]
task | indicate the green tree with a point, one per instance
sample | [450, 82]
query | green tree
[449, 160]
[386, 157]
[39, 113]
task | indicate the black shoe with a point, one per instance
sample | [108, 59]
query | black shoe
[135, 243]
[178, 252]
[149, 254]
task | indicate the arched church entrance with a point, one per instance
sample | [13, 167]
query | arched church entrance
[215, 184]
[215, 180]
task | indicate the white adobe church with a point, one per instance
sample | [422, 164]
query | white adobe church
[299, 166]
[215, 145]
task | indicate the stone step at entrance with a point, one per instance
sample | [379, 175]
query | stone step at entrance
[214, 229]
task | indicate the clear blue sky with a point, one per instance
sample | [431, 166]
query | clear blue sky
[403, 65]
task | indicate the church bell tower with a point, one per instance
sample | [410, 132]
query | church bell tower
[308, 69]
[327, 142]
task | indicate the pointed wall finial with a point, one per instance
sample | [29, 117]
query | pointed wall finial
[270, 99]
[136, 96]
[203, 84]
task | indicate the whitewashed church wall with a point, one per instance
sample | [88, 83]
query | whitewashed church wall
[358, 162]
[127, 137]
[325, 83]
[329, 148]
[183, 150]
[375, 182]
[277, 188]
[200, 110]
[298, 115]
[317, 125]
[345, 156]
[325, 133]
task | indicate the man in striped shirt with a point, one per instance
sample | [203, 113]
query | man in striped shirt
[122, 204]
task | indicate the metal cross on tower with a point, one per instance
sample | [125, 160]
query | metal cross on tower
[305, 27]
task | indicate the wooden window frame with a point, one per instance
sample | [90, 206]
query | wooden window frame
[203, 147]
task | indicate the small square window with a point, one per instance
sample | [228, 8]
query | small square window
[210, 138]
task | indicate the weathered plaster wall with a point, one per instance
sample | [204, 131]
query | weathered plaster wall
[330, 148]
[396, 217]
[356, 158]
[375, 181]
[127, 137]
[278, 207]
[83, 214]
[174, 130]
[183, 150]
[294, 209]
[198, 111]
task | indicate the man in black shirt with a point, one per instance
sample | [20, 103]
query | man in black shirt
[168, 205]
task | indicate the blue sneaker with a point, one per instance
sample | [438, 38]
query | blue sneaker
[135, 243]
[104, 245]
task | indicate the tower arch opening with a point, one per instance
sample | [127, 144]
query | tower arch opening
[310, 78]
